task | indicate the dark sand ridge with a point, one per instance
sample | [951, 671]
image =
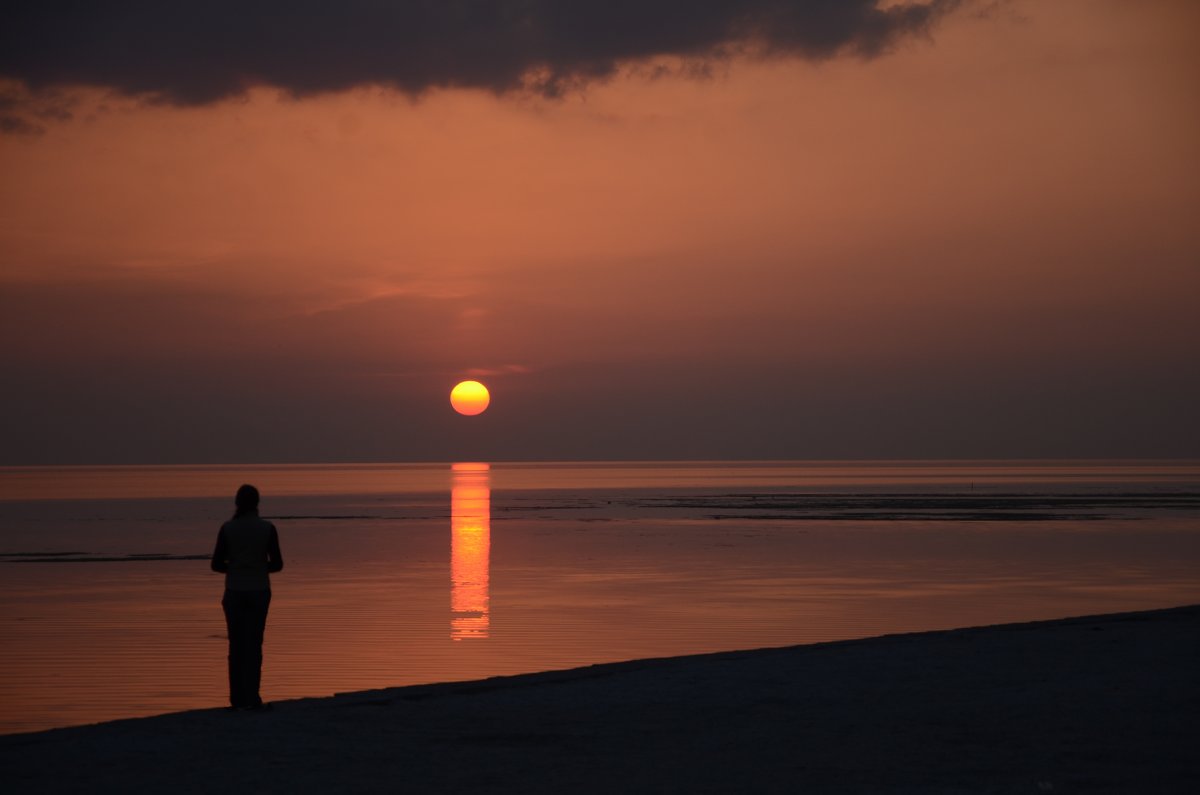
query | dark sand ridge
[1103, 704]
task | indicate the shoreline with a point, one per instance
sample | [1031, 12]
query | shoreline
[1095, 703]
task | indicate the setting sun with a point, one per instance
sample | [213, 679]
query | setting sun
[470, 398]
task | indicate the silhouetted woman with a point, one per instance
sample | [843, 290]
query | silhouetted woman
[247, 549]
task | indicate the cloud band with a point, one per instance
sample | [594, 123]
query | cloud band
[191, 53]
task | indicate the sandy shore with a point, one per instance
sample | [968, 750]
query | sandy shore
[1102, 704]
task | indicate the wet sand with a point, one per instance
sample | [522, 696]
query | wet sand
[1101, 704]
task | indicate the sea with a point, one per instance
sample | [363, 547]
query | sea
[399, 574]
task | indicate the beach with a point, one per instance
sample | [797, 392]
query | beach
[1099, 704]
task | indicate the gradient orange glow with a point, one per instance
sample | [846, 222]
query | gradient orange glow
[997, 222]
[470, 550]
[470, 398]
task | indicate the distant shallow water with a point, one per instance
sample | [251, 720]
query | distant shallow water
[402, 574]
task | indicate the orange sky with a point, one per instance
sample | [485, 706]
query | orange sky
[983, 243]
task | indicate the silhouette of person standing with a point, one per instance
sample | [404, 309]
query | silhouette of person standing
[247, 550]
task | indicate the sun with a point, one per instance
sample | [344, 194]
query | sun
[470, 398]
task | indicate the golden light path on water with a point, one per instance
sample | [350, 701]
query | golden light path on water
[470, 547]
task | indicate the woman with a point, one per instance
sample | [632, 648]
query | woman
[247, 550]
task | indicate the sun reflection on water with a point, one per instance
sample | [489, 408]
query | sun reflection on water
[470, 547]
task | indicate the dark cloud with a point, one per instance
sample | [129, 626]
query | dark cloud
[18, 125]
[194, 52]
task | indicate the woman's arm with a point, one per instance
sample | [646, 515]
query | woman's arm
[274, 556]
[220, 558]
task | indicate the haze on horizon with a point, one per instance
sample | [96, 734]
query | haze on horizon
[763, 229]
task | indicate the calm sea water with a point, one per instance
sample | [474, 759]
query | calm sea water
[402, 574]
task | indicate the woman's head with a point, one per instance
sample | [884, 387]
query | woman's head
[246, 500]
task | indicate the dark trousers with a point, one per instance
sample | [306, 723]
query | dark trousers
[245, 622]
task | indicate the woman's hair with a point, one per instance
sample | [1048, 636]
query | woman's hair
[246, 500]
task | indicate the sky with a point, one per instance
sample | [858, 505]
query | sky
[743, 229]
